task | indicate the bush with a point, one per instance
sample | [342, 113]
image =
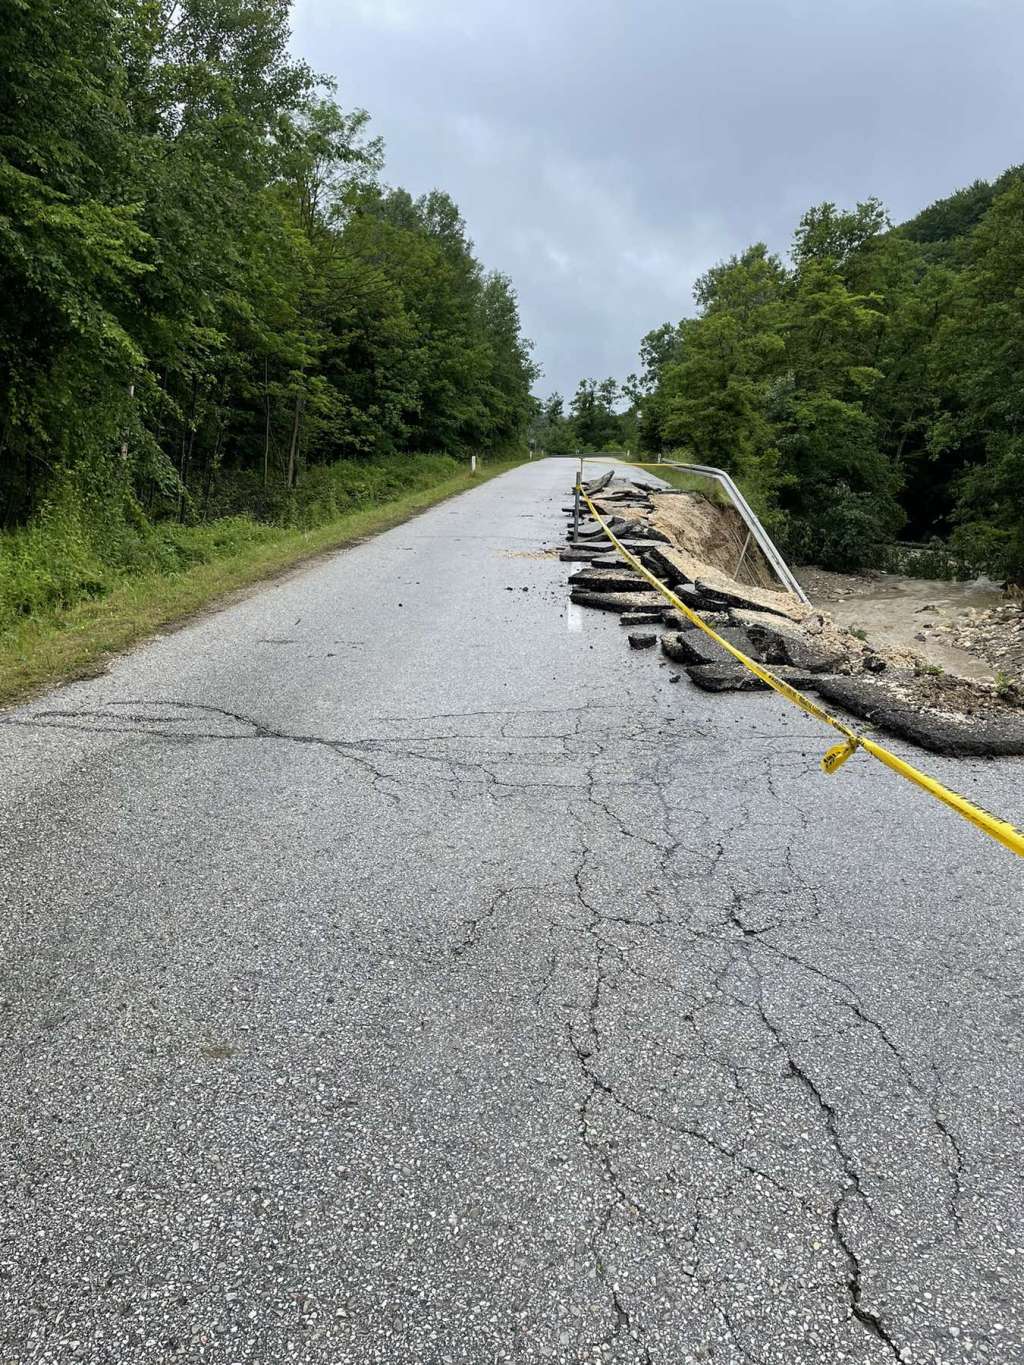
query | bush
[935, 559]
[326, 492]
[90, 533]
[844, 531]
[995, 550]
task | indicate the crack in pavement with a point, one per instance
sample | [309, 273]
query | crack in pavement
[583, 754]
[868, 1319]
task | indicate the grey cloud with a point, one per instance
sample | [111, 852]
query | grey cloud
[605, 154]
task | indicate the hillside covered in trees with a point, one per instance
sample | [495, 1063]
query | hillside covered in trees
[211, 303]
[870, 387]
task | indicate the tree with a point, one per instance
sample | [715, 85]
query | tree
[980, 356]
[595, 423]
[205, 286]
[72, 245]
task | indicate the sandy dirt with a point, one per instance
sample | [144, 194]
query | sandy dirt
[719, 531]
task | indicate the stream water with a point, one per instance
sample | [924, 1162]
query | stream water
[895, 610]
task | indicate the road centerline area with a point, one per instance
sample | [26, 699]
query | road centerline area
[445, 985]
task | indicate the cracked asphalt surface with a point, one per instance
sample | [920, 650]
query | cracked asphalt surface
[398, 969]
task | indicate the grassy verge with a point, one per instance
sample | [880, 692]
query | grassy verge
[675, 478]
[76, 641]
[689, 483]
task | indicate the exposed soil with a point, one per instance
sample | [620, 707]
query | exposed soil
[691, 520]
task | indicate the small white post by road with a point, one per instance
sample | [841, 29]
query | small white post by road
[472, 464]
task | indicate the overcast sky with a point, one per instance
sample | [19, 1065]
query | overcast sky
[605, 152]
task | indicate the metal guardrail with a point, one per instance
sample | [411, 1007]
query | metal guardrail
[761, 537]
[755, 530]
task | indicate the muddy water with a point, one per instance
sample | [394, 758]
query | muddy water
[894, 610]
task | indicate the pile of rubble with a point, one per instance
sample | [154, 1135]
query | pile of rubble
[685, 547]
[996, 635]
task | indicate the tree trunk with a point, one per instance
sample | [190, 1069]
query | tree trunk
[124, 443]
[266, 424]
[187, 448]
[293, 449]
[211, 469]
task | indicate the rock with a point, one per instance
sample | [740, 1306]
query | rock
[642, 639]
[733, 677]
[642, 618]
[874, 663]
[694, 647]
[620, 601]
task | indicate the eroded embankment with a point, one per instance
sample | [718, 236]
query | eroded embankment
[701, 552]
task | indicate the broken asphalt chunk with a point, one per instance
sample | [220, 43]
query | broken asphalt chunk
[694, 647]
[733, 677]
[783, 642]
[620, 601]
[878, 701]
[579, 554]
[606, 580]
[593, 486]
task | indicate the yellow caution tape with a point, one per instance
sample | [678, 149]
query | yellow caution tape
[837, 756]
[1001, 830]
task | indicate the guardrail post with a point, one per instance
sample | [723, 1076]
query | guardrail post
[743, 555]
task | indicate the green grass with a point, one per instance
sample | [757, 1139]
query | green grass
[75, 639]
[690, 483]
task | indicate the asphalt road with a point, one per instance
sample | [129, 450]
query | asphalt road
[397, 968]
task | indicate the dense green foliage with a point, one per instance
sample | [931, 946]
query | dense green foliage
[873, 386]
[81, 543]
[594, 420]
[209, 299]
